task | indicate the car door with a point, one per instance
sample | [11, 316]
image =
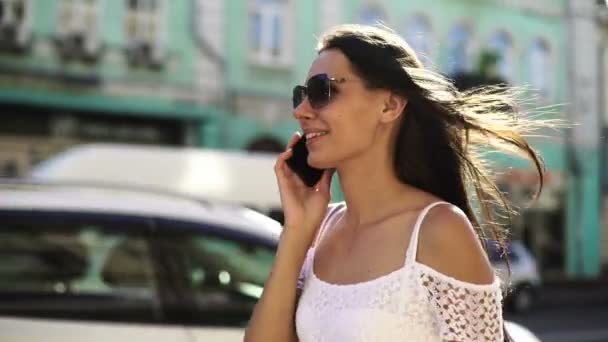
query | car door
[79, 277]
[221, 277]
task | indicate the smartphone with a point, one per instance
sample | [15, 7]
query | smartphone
[298, 163]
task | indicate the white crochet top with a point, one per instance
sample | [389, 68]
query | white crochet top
[413, 303]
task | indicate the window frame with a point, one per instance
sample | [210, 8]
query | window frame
[23, 36]
[429, 56]
[263, 54]
[468, 51]
[547, 93]
[78, 27]
[507, 56]
[134, 42]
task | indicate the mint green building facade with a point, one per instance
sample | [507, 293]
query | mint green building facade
[102, 70]
[533, 39]
[219, 74]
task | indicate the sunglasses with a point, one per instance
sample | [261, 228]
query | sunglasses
[318, 89]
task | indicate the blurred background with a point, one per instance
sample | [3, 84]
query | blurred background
[194, 96]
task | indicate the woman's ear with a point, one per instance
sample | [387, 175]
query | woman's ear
[393, 108]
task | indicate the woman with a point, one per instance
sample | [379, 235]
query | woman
[401, 259]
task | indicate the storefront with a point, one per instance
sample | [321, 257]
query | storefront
[31, 132]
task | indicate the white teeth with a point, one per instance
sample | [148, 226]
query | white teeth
[314, 135]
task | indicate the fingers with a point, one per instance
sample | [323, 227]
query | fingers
[294, 139]
[279, 166]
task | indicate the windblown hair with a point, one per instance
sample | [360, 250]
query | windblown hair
[444, 131]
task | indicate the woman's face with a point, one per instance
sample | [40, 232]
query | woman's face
[348, 124]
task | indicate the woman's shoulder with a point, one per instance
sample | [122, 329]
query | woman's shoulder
[449, 244]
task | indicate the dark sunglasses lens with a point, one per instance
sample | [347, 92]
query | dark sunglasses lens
[299, 93]
[318, 90]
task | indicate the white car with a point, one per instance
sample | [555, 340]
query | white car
[520, 277]
[235, 177]
[95, 263]
[519, 333]
[86, 263]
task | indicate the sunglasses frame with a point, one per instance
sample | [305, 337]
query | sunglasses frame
[302, 91]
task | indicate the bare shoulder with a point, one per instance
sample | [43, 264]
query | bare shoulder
[449, 244]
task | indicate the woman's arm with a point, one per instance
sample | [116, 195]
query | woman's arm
[273, 317]
[304, 208]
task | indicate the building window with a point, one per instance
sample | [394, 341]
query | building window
[459, 50]
[78, 29]
[502, 45]
[418, 34]
[145, 31]
[539, 55]
[371, 15]
[15, 30]
[270, 31]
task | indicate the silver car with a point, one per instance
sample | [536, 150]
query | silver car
[97, 263]
[92, 263]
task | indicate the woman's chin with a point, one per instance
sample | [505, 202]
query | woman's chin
[319, 163]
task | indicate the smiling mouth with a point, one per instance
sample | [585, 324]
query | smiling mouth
[311, 136]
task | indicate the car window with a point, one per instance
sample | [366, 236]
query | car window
[223, 276]
[75, 269]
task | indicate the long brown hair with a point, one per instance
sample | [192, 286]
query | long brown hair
[444, 131]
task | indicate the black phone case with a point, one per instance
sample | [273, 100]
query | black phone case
[298, 163]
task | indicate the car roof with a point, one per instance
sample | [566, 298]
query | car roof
[107, 199]
[238, 177]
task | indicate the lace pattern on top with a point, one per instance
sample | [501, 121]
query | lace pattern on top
[413, 303]
[464, 311]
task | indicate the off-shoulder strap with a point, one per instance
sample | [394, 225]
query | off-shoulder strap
[412, 249]
[329, 220]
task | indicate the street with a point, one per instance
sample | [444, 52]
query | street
[569, 314]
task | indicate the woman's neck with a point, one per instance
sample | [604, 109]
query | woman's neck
[372, 190]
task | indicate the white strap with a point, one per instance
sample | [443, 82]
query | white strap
[329, 220]
[412, 249]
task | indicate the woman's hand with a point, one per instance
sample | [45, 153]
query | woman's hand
[304, 207]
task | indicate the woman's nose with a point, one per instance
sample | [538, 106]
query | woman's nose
[303, 111]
